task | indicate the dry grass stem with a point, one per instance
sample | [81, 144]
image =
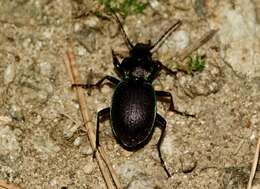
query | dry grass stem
[4, 185]
[179, 59]
[197, 44]
[104, 165]
[254, 165]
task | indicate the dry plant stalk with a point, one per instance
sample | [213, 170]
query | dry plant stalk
[188, 50]
[4, 185]
[254, 165]
[102, 160]
[197, 44]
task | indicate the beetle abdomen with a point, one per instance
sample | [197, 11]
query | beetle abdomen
[133, 113]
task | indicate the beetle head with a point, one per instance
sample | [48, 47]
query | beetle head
[141, 55]
[140, 62]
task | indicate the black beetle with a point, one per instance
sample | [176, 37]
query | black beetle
[133, 111]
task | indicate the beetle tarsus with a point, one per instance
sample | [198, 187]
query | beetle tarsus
[183, 113]
[94, 153]
[161, 123]
[101, 113]
[84, 86]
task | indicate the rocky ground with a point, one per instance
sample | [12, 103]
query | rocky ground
[42, 141]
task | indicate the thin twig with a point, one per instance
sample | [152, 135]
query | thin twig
[69, 117]
[254, 165]
[198, 43]
[4, 185]
[239, 146]
[106, 169]
[188, 50]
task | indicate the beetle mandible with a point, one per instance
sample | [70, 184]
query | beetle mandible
[133, 113]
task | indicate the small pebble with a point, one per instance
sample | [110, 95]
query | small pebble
[44, 144]
[81, 51]
[92, 22]
[46, 69]
[5, 120]
[109, 146]
[188, 162]
[154, 4]
[69, 130]
[86, 150]
[16, 112]
[129, 170]
[181, 39]
[141, 183]
[88, 169]
[201, 84]
[9, 146]
[9, 74]
[8, 173]
[37, 119]
[108, 131]
[78, 141]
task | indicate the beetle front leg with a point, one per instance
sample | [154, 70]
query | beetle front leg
[168, 94]
[161, 123]
[117, 64]
[86, 86]
[101, 113]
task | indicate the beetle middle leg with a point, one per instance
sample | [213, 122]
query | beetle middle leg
[161, 123]
[86, 86]
[101, 113]
[168, 94]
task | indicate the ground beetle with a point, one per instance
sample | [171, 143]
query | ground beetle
[133, 111]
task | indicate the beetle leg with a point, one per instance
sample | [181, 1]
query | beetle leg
[168, 94]
[101, 113]
[161, 123]
[86, 86]
[117, 64]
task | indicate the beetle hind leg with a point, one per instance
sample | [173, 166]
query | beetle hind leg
[101, 113]
[161, 123]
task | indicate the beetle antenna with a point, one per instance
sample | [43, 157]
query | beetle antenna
[166, 34]
[126, 38]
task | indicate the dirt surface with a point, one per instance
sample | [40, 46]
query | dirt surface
[42, 140]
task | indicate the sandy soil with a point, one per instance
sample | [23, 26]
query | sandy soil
[42, 142]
